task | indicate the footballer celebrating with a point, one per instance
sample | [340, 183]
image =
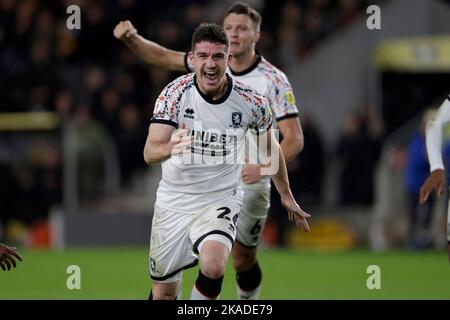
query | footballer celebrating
[242, 25]
[198, 203]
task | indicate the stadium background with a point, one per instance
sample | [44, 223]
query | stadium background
[75, 108]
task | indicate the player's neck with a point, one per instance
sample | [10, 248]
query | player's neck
[243, 62]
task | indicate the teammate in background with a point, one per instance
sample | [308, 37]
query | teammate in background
[434, 144]
[8, 256]
[242, 25]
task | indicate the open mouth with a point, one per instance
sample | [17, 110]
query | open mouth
[210, 75]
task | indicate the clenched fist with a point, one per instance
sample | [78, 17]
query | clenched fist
[124, 31]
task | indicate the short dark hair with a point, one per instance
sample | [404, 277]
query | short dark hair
[244, 8]
[209, 32]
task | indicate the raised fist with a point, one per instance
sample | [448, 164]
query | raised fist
[124, 31]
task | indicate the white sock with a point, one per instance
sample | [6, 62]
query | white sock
[197, 295]
[180, 286]
[248, 295]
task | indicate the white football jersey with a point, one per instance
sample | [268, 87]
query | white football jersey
[276, 88]
[273, 84]
[211, 171]
[434, 135]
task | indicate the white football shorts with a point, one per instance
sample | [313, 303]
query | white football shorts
[177, 237]
[253, 216]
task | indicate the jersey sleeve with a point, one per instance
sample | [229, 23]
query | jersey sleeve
[434, 135]
[283, 101]
[165, 110]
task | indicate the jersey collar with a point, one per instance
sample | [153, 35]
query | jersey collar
[249, 69]
[220, 100]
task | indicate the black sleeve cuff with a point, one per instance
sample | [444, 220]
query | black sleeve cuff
[162, 121]
[290, 115]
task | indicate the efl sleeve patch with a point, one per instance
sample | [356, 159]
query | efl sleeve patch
[289, 96]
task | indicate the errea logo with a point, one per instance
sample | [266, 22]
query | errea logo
[189, 113]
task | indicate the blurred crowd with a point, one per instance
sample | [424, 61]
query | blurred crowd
[92, 80]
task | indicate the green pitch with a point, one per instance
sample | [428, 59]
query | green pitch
[121, 273]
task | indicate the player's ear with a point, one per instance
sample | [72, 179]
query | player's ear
[257, 35]
[230, 56]
[190, 57]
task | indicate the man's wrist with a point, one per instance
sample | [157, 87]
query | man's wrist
[286, 193]
[167, 151]
[131, 41]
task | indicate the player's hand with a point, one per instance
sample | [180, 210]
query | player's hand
[295, 213]
[8, 256]
[124, 31]
[181, 141]
[434, 181]
[251, 173]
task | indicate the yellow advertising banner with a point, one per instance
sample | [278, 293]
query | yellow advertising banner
[418, 54]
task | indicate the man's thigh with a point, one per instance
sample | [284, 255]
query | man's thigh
[252, 219]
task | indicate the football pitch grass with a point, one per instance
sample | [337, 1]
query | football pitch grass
[121, 273]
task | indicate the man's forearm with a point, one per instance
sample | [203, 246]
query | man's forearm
[291, 148]
[280, 179]
[156, 153]
[155, 54]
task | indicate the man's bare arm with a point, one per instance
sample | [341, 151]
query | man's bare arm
[271, 153]
[293, 141]
[163, 141]
[149, 51]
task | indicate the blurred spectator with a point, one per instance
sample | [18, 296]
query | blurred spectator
[64, 104]
[131, 136]
[306, 172]
[47, 172]
[94, 79]
[107, 114]
[314, 27]
[288, 33]
[88, 149]
[358, 152]
[347, 11]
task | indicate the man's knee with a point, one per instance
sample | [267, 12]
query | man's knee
[164, 291]
[243, 258]
[213, 259]
[213, 269]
